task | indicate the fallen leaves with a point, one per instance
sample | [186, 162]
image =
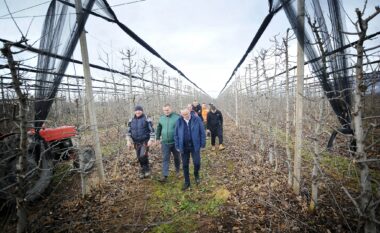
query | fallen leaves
[241, 191]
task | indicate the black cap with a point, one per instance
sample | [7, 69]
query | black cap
[139, 108]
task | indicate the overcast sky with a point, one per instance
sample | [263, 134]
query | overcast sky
[203, 38]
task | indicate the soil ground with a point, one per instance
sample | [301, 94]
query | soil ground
[239, 192]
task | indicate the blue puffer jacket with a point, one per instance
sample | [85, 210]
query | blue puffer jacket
[140, 129]
[198, 135]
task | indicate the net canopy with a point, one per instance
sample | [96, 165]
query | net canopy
[61, 31]
[327, 59]
[325, 47]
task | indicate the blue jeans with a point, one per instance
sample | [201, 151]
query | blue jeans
[166, 150]
[196, 157]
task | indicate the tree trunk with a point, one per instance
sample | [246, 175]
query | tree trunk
[131, 97]
[367, 206]
[22, 218]
[316, 159]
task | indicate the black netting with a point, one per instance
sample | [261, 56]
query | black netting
[274, 7]
[334, 78]
[59, 36]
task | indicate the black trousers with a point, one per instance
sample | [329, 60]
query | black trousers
[142, 150]
[196, 157]
[216, 132]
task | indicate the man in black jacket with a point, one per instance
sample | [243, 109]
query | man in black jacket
[197, 108]
[215, 125]
[141, 135]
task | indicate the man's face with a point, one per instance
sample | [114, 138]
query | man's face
[186, 115]
[167, 110]
[189, 107]
[138, 113]
[195, 103]
[203, 105]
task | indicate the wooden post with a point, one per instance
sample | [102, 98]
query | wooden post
[181, 97]
[90, 98]
[287, 134]
[236, 102]
[299, 95]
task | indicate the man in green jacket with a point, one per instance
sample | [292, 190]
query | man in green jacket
[165, 135]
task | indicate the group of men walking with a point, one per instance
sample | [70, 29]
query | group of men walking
[181, 135]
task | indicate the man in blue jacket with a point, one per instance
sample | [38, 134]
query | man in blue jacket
[141, 136]
[189, 138]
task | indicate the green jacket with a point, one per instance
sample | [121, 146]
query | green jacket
[166, 127]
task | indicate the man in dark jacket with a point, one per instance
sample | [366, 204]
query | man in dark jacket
[189, 138]
[165, 132]
[141, 135]
[215, 125]
[197, 108]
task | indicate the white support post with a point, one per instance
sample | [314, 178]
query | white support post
[90, 99]
[299, 96]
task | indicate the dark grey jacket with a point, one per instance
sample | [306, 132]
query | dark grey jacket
[140, 129]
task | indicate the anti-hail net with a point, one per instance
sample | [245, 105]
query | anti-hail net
[60, 35]
[333, 77]
[327, 17]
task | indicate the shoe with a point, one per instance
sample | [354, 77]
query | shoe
[185, 187]
[197, 181]
[221, 147]
[213, 148]
[146, 174]
[164, 179]
[141, 174]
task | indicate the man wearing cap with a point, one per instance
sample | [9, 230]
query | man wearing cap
[141, 136]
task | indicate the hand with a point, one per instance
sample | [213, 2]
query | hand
[158, 142]
[129, 145]
[150, 143]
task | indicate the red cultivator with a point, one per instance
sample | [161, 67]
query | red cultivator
[46, 148]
